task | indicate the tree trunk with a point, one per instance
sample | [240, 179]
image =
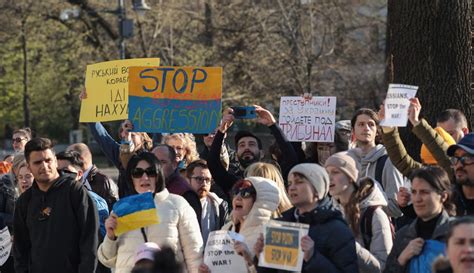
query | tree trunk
[429, 44]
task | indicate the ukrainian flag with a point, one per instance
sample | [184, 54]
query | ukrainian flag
[135, 211]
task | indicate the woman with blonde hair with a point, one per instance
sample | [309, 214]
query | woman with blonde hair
[184, 146]
[270, 171]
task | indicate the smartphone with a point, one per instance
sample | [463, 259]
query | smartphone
[244, 112]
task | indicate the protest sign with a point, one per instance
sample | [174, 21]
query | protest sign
[311, 120]
[175, 99]
[219, 254]
[282, 248]
[107, 89]
[5, 245]
[135, 211]
[397, 103]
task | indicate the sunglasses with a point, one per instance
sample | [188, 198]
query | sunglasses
[18, 139]
[465, 160]
[138, 172]
[244, 193]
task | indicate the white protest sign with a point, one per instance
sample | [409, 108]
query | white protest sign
[282, 248]
[397, 103]
[220, 255]
[311, 120]
[5, 245]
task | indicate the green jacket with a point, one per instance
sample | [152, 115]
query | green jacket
[403, 161]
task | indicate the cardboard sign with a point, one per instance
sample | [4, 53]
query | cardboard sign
[282, 248]
[134, 212]
[219, 254]
[397, 103]
[107, 89]
[5, 245]
[311, 120]
[175, 99]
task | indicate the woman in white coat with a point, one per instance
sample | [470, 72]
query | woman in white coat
[177, 227]
[254, 199]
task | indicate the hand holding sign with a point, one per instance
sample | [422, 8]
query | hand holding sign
[396, 105]
[307, 245]
[414, 111]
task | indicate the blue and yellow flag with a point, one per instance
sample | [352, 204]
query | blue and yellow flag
[135, 212]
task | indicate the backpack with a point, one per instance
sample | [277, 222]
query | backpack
[379, 169]
[366, 225]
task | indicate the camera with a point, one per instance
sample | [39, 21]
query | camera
[244, 112]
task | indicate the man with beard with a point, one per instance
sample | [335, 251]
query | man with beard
[462, 158]
[215, 210]
[248, 147]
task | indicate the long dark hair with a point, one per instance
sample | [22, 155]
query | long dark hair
[352, 208]
[438, 179]
[153, 161]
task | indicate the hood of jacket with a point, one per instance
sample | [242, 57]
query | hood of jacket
[376, 196]
[268, 198]
[367, 160]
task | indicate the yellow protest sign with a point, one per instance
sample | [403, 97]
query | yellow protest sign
[107, 89]
[282, 248]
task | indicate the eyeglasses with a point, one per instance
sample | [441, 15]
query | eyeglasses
[244, 193]
[465, 160]
[138, 172]
[18, 139]
[202, 179]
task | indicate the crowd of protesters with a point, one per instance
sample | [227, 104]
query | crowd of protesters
[370, 207]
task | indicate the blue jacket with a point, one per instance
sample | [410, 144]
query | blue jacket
[333, 240]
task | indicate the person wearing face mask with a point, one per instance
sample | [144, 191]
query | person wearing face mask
[178, 226]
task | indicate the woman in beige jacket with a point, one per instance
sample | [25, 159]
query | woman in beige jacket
[177, 227]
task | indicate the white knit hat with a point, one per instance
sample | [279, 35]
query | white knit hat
[316, 175]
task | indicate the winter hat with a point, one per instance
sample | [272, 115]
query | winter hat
[146, 251]
[345, 163]
[316, 175]
[426, 156]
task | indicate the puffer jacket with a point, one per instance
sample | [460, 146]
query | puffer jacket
[371, 259]
[392, 179]
[334, 244]
[408, 233]
[265, 204]
[178, 228]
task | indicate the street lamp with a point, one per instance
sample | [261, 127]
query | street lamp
[125, 25]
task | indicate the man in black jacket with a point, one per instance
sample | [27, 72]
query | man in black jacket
[248, 147]
[55, 221]
[462, 157]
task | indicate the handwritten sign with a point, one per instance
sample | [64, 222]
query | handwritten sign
[219, 254]
[5, 245]
[107, 89]
[308, 120]
[397, 103]
[282, 245]
[175, 99]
